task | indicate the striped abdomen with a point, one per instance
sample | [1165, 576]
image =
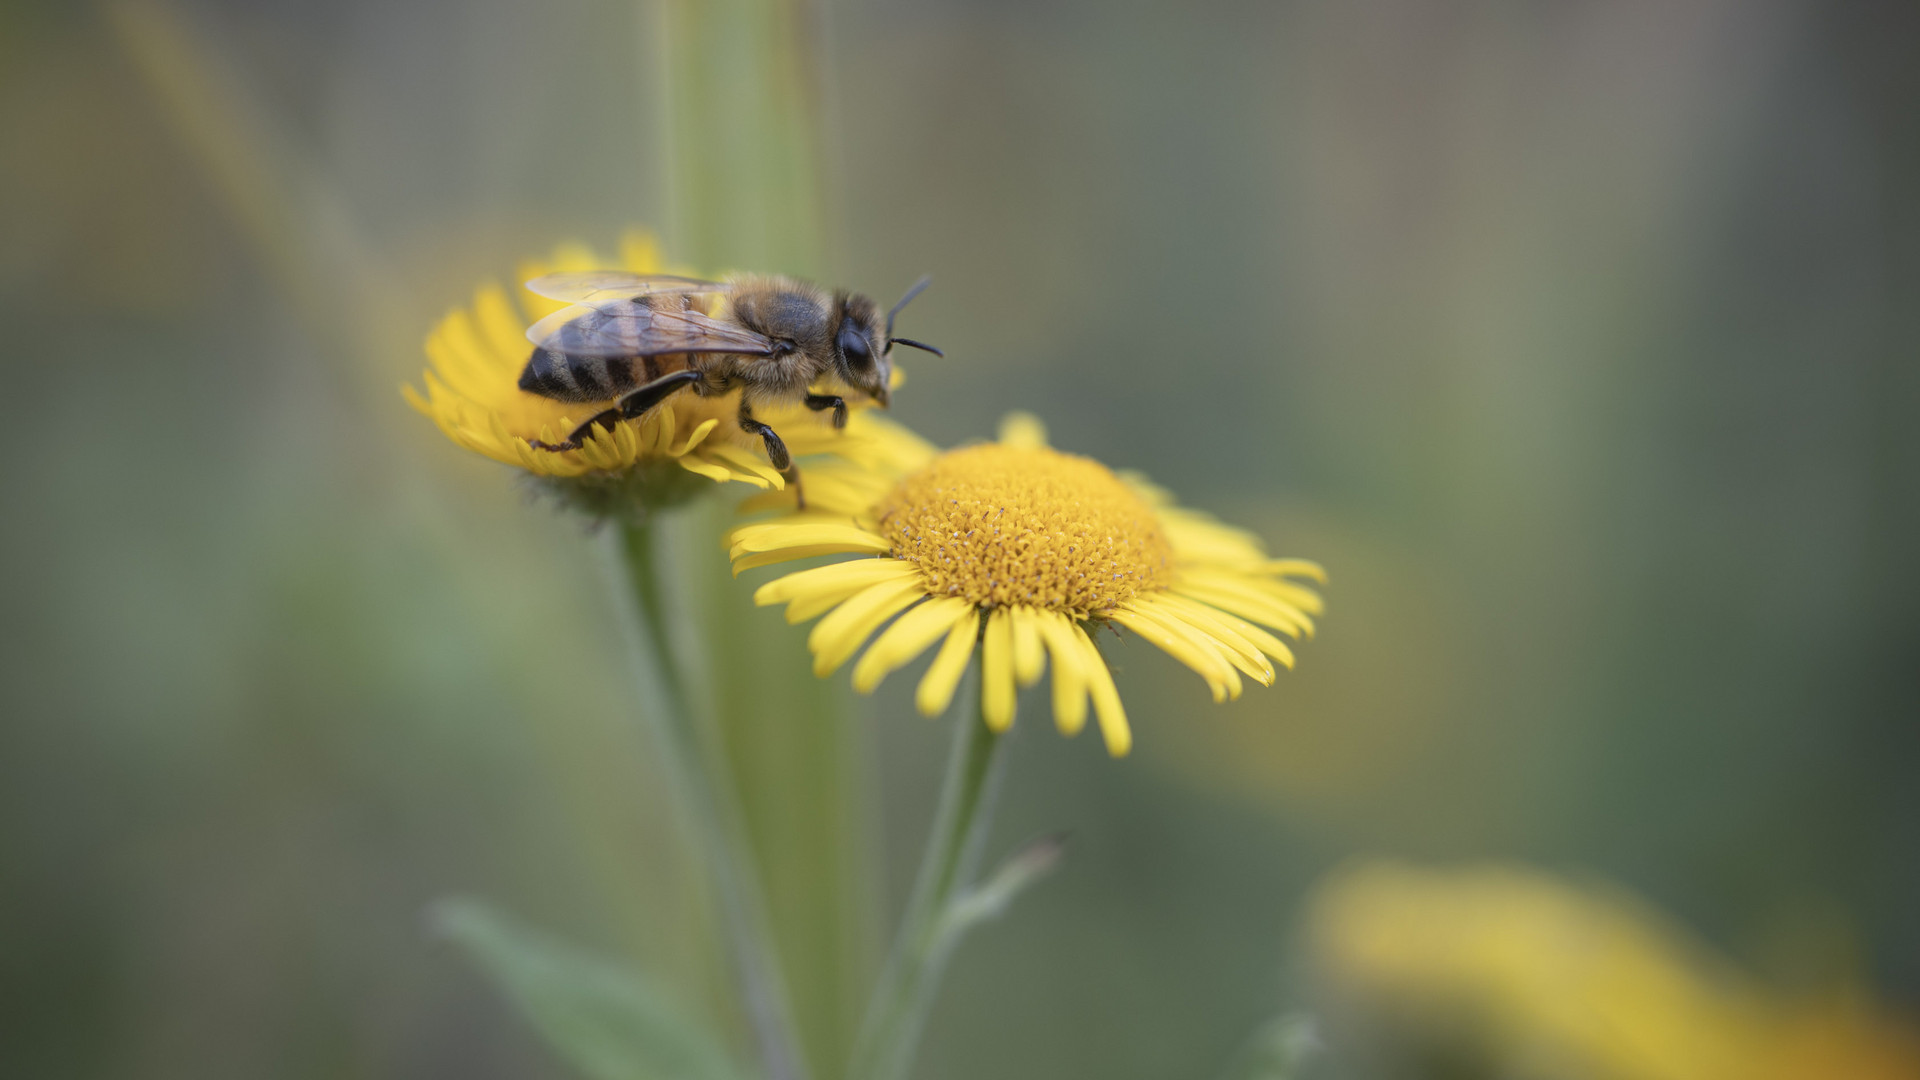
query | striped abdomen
[569, 377]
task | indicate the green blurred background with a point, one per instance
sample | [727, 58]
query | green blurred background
[1581, 342]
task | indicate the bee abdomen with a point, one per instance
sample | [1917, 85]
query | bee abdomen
[567, 377]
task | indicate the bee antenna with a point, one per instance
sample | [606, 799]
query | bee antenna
[921, 345]
[918, 287]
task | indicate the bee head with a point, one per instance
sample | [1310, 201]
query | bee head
[860, 349]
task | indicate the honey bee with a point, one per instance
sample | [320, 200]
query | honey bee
[634, 340]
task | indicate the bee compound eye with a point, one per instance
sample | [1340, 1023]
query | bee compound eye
[853, 343]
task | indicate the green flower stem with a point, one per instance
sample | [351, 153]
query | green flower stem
[907, 988]
[705, 798]
[738, 178]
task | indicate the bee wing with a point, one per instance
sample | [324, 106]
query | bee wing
[625, 327]
[593, 286]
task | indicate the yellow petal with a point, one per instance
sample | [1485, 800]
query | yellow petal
[936, 687]
[1199, 538]
[909, 635]
[1029, 658]
[1296, 598]
[1069, 672]
[718, 473]
[1208, 664]
[1229, 686]
[698, 435]
[996, 671]
[462, 357]
[842, 578]
[420, 404]
[838, 636]
[640, 252]
[744, 563]
[821, 600]
[1260, 609]
[1023, 429]
[1303, 601]
[784, 522]
[839, 537]
[732, 473]
[1264, 641]
[1234, 646]
[660, 424]
[1297, 568]
[502, 329]
[1299, 596]
[742, 461]
[1106, 699]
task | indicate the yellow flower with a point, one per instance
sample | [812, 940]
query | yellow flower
[473, 394]
[1022, 548]
[1545, 976]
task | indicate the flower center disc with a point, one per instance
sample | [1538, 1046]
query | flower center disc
[999, 525]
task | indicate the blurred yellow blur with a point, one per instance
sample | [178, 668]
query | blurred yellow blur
[1536, 975]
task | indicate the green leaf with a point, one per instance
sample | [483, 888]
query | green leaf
[991, 897]
[609, 1022]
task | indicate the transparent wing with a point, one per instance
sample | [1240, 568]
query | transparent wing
[593, 286]
[628, 328]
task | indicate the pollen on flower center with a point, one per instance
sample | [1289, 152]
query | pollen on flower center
[998, 524]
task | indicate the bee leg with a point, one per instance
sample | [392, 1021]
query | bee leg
[776, 452]
[633, 405]
[606, 418]
[823, 402]
[637, 403]
[776, 448]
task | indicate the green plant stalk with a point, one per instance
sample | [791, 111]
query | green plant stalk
[705, 799]
[739, 162]
[907, 988]
[740, 106]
